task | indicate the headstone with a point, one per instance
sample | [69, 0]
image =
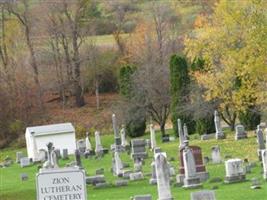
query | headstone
[208, 136]
[215, 155]
[260, 140]
[166, 138]
[57, 151]
[120, 183]
[24, 177]
[255, 183]
[124, 141]
[138, 149]
[142, 197]
[191, 179]
[88, 145]
[152, 137]
[78, 158]
[234, 171]
[98, 145]
[153, 179]
[180, 132]
[24, 162]
[54, 158]
[65, 155]
[186, 135]
[116, 132]
[19, 155]
[203, 195]
[163, 178]
[95, 179]
[240, 132]
[264, 163]
[61, 180]
[200, 167]
[42, 155]
[81, 145]
[136, 176]
[219, 133]
[138, 163]
[117, 164]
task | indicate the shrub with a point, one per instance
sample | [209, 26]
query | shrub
[136, 127]
[125, 82]
[205, 126]
[250, 118]
[180, 81]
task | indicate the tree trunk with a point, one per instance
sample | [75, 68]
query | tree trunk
[76, 60]
[34, 66]
[162, 129]
[97, 94]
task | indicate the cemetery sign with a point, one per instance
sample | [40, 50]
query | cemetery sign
[61, 184]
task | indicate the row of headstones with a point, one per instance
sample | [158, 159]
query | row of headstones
[200, 195]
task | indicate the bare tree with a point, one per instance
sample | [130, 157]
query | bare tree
[25, 18]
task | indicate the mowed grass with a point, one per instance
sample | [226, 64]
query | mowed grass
[12, 188]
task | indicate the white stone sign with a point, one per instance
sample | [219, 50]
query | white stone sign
[61, 184]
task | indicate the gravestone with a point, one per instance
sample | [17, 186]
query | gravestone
[203, 195]
[186, 135]
[99, 171]
[191, 179]
[219, 133]
[117, 137]
[200, 167]
[78, 159]
[120, 183]
[88, 145]
[163, 178]
[24, 177]
[136, 176]
[24, 162]
[42, 155]
[255, 183]
[208, 136]
[93, 180]
[142, 197]
[152, 137]
[264, 163]
[215, 155]
[98, 145]
[180, 132]
[65, 155]
[117, 164]
[54, 158]
[124, 141]
[153, 179]
[166, 138]
[234, 171]
[81, 145]
[138, 163]
[57, 151]
[138, 149]
[240, 132]
[260, 141]
[64, 183]
[19, 155]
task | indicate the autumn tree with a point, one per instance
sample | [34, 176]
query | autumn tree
[233, 45]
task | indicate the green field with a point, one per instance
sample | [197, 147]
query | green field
[11, 188]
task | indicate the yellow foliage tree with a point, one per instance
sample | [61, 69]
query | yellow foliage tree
[234, 45]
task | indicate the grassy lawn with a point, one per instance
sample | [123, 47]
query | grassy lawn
[11, 188]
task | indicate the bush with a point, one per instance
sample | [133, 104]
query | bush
[136, 127]
[180, 81]
[125, 82]
[205, 126]
[250, 119]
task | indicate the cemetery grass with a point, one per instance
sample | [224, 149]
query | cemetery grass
[12, 188]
